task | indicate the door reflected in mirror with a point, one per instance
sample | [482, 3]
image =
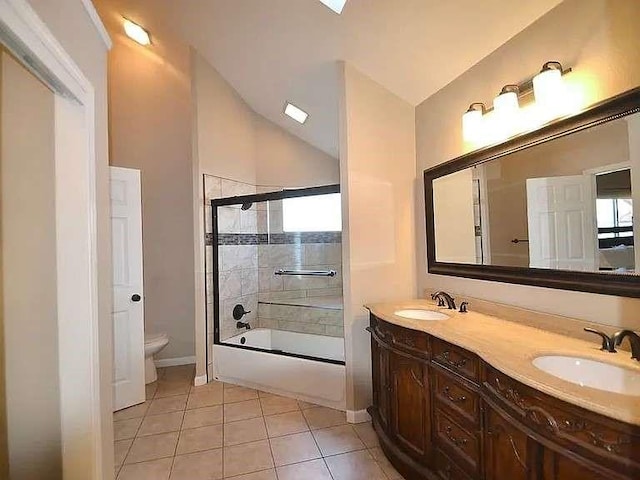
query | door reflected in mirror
[565, 204]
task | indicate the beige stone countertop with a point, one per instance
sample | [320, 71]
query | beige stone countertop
[511, 347]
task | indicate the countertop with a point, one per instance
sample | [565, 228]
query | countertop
[510, 348]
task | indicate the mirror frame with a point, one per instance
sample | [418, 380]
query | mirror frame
[607, 284]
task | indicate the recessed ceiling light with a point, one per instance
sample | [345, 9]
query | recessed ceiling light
[136, 32]
[294, 112]
[335, 5]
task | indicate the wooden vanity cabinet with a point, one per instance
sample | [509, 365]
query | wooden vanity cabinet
[440, 412]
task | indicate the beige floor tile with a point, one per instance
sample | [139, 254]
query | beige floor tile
[120, 450]
[123, 429]
[384, 463]
[202, 399]
[167, 405]
[285, 424]
[273, 404]
[296, 448]
[242, 411]
[164, 423]
[150, 390]
[155, 470]
[247, 458]
[211, 386]
[239, 394]
[180, 372]
[263, 475]
[200, 439]
[367, 434]
[336, 440]
[244, 431]
[306, 405]
[198, 466]
[152, 447]
[173, 387]
[354, 466]
[322, 417]
[314, 470]
[132, 412]
[202, 417]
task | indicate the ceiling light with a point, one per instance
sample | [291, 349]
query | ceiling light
[294, 112]
[335, 5]
[136, 32]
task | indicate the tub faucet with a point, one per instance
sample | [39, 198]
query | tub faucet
[634, 339]
[243, 325]
[444, 299]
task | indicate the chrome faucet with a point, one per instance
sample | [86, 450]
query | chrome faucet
[634, 339]
[444, 299]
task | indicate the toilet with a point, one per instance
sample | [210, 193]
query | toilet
[153, 343]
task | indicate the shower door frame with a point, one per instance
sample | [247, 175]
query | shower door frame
[255, 198]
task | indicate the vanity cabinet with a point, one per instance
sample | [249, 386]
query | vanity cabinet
[441, 412]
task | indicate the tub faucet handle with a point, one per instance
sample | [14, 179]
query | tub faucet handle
[239, 312]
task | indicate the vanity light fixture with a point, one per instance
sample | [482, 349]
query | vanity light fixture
[506, 103]
[547, 85]
[472, 122]
[296, 113]
[136, 32]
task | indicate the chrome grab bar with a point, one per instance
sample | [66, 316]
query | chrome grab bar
[307, 273]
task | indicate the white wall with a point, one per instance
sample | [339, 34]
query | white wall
[599, 39]
[377, 165]
[29, 280]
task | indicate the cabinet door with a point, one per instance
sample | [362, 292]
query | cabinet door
[508, 450]
[560, 467]
[381, 382]
[410, 406]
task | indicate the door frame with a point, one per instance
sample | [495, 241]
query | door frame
[84, 434]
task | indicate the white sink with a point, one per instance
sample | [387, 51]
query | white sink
[419, 314]
[591, 373]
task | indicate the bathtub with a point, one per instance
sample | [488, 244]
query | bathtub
[305, 378]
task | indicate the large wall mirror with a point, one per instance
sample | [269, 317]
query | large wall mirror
[553, 208]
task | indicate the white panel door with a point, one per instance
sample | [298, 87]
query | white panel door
[562, 226]
[128, 298]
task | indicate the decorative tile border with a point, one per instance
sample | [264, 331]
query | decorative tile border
[274, 238]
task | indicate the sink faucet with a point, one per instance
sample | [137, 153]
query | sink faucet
[608, 343]
[634, 339]
[444, 298]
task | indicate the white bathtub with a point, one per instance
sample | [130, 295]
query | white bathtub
[309, 380]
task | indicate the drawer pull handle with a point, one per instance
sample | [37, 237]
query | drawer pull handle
[447, 393]
[458, 442]
[446, 357]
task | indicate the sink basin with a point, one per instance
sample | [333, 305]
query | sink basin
[591, 373]
[419, 314]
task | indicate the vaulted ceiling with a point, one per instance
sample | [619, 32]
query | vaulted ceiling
[273, 51]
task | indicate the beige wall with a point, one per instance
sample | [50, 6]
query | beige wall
[284, 160]
[29, 315]
[150, 130]
[89, 52]
[377, 164]
[599, 39]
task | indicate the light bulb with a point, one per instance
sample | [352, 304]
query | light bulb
[136, 32]
[506, 103]
[472, 123]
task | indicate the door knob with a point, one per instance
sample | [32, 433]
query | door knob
[135, 297]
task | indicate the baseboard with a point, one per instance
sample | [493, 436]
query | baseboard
[357, 416]
[174, 362]
[199, 381]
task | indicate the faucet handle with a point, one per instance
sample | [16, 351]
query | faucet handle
[463, 307]
[608, 343]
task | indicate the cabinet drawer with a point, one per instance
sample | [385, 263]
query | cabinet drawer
[453, 394]
[412, 341]
[456, 359]
[448, 469]
[458, 441]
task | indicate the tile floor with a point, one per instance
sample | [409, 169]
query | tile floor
[224, 431]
